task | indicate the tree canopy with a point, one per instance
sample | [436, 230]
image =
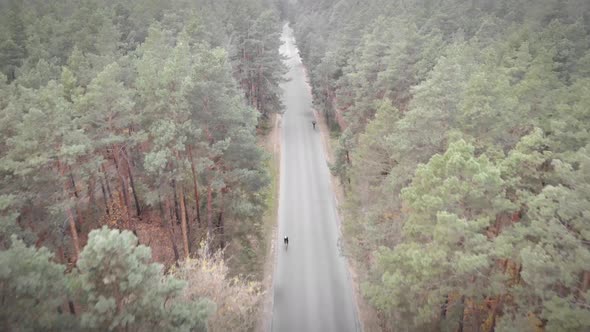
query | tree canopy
[140, 116]
[463, 148]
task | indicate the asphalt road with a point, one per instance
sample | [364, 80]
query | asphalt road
[312, 288]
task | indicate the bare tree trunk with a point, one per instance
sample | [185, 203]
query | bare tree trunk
[252, 94]
[169, 225]
[585, 281]
[221, 222]
[443, 309]
[41, 238]
[76, 207]
[518, 276]
[245, 74]
[174, 247]
[176, 211]
[80, 218]
[61, 255]
[124, 190]
[104, 195]
[462, 319]
[209, 216]
[196, 189]
[183, 223]
[72, 307]
[106, 179]
[91, 189]
[161, 209]
[495, 307]
[137, 206]
[259, 97]
[188, 222]
[74, 189]
[70, 216]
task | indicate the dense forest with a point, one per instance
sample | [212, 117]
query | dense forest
[128, 125]
[464, 149]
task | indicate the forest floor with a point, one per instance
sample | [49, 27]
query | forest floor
[153, 233]
[366, 314]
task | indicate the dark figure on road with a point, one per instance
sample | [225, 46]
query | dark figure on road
[286, 240]
[313, 123]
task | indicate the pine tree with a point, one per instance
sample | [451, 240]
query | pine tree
[121, 289]
[446, 254]
[12, 41]
[507, 77]
[546, 245]
[33, 289]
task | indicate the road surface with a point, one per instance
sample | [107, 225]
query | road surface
[312, 288]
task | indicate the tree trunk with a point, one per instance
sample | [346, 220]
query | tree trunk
[106, 179]
[104, 195]
[74, 189]
[70, 216]
[77, 196]
[221, 223]
[77, 208]
[518, 276]
[196, 189]
[62, 256]
[209, 217]
[177, 213]
[161, 209]
[169, 216]
[443, 309]
[188, 221]
[585, 281]
[495, 310]
[72, 307]
[183, 225]
[254, 101]
[124, 190]
[462, 318]
[137, 206]
[41, 238]
[174, 247]
[259, 84]
[169, 226]
[91, 188]
[118, 193]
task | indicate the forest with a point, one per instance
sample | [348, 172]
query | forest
[462, 132]
[132, 181]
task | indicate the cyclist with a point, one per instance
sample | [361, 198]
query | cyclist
[286, 241]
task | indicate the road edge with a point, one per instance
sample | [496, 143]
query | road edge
[273, 147]
[339, 195]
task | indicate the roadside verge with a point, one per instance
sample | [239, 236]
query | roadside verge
[271, 143]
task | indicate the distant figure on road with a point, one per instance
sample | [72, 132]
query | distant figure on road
[313, 123]
[286, 240]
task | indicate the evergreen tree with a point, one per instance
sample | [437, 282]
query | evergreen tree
[33, 288]
[121, 289]
[446, 252]
[509, 77]
[12, 40]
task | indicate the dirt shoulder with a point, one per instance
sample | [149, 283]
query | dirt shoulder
[272, 145]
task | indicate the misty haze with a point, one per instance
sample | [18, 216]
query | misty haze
[295, 165]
